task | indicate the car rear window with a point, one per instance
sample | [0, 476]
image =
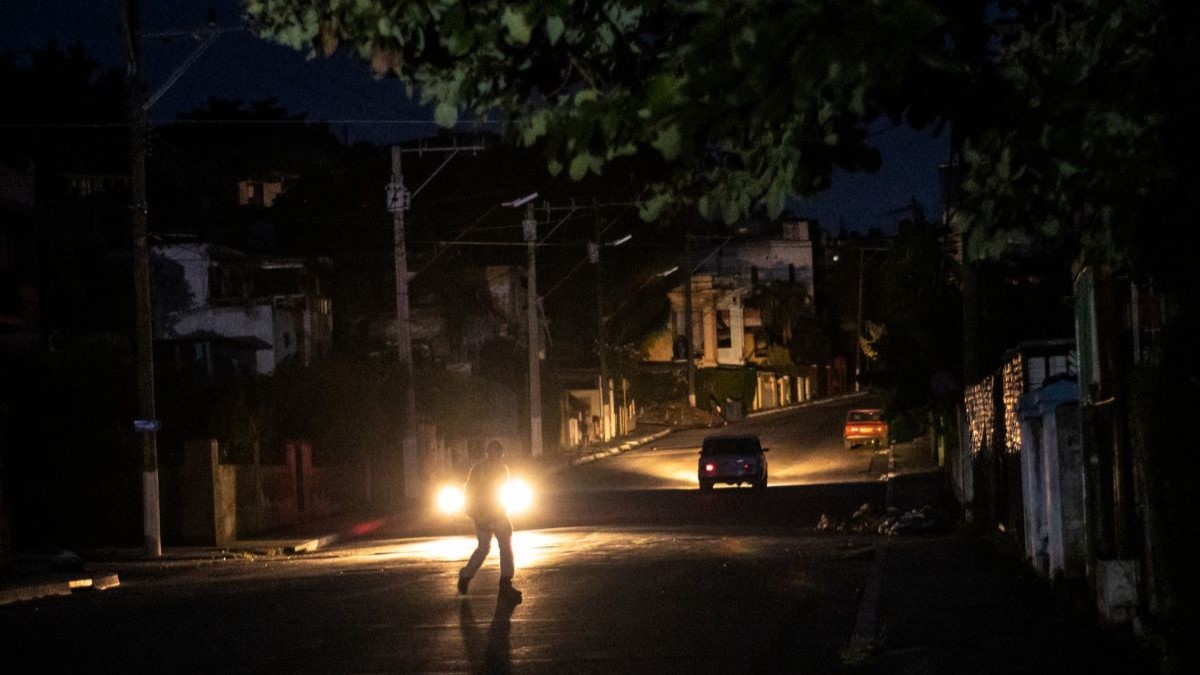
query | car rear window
[730, 446]
[864, 416]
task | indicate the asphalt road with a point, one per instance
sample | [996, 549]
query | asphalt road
[805, 448]
[625, 567]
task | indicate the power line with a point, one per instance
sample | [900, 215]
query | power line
[426, 122]
[462, 234]
[565, 277]
[231, 122]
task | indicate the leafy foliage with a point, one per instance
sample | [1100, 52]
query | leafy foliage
[915, 340]
[745, 100]
[1076, 151]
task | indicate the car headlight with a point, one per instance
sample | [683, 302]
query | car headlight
[517, 496]
[451, 499]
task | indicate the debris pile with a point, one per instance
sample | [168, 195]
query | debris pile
[867, 521]
[914, 521]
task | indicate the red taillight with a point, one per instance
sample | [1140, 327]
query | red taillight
[746, 465]
[710, 468]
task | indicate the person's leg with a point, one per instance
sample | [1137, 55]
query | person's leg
[504, 533]
[483, 535]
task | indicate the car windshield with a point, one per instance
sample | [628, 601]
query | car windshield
[730, 446]
[864, 416]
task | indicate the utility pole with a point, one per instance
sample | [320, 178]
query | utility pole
[858, 332]
[601, 346]
[601, 337]
[398, 200]
[687, 319]
[148, 421]
[529, 225]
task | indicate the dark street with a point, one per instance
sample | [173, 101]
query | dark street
[641, 577]
[689, 336]
[624, 570]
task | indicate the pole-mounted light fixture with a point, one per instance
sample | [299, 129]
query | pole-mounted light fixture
[517, 203]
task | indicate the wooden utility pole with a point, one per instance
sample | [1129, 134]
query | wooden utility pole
[398, 200]
[687, 319]
[148, 421]
[858, 332]
[529, 225]
[144, 330]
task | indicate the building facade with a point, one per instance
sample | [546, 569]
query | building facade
[218, 301]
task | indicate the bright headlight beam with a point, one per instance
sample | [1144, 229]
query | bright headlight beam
[517, 496]
[451, 500]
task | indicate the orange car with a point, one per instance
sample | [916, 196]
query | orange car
[863, 427]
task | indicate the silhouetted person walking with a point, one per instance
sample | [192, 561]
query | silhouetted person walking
[485, 506]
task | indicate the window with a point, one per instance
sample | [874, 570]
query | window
[724, 334]
[731, 445]
[762, 343]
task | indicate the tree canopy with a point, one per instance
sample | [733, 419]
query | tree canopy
[746, 100]
[1063, 109]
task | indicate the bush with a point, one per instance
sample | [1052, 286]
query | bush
[738, 384]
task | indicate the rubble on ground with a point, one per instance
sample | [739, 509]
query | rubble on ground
[867, 520]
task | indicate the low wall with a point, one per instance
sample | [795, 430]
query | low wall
[210, 503]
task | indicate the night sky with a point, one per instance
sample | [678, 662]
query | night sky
[241, 66]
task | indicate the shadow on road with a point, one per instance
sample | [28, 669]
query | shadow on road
[490, 652]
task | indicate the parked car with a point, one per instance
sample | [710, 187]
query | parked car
[732, 460]
[863, 427]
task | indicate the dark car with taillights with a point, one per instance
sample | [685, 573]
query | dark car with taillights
[732, 460]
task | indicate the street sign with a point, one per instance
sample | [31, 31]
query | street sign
[144, 426]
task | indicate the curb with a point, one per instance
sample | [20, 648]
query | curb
[67, 587]
[797, 406]
[615, 450]
[283, 546]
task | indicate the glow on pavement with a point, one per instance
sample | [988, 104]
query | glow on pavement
[675, 468]
[530, 548]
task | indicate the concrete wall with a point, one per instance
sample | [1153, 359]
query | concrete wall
[210, 503]
[199, 498]
[1053, 482]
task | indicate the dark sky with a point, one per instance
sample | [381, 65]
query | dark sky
[239, 65]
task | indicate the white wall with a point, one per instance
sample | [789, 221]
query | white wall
[194, 259]
[772, 258]
[236, 321]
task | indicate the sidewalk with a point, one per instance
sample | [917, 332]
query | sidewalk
[951, 603]
[957, 603]
[645, 433]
